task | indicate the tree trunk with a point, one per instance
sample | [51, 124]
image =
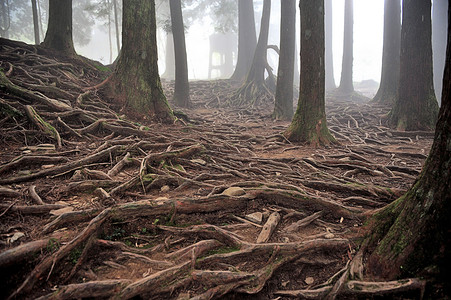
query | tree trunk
[309, 122]
[439, 21]
[169, 72]
[416, 107]
[412, 235]
[330, 81]
[59, 29]
[34, 7]
[388, 88]
[116, 25]
[136, 80]
[181, 89]
[346, 85]
[110, 39]
[5, 21]
[254, 85]
[283, 108]
[247, 39]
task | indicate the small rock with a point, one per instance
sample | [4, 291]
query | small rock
[329, 235]
[16, 236]
[165, 188]
[234, 191]
[256, 217]
[199, 161]
[59, 212]
[309, 280]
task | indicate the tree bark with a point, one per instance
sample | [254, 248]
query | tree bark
[283, 108]
[181, 89]
[439, 21]
[346, 84]
[5, 19]
[309, 122]
[59, 29]
[388, 88]
[34, 7]
[416, 107]
[330, 81]
[116, 25]
[247, 39]
[136, 80]
[411, 235]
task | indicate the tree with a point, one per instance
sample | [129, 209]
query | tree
[388, 88]
[247, 39]
[346, 86]
[330, 81]
[309, 122]
[181, 89]
[254, 84]
[34, 7]
[439, 21]
[141, 89]
[411, 235]
[116, 26]
[416, 107]
[283, 108]
[59, 31]
[5, 21]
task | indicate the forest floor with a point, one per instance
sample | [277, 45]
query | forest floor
[218, 204]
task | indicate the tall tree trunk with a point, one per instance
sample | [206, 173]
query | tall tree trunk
[283, 108]
[247, 39]
[116, 25]
[412, 235]
[309, 122]
[110, 40]
[5, 20]
[346, 84]
[169, 72]
[40, 19]
[181, 89]
[140, 90]
[388, 88]
[330, 81]
[59, 29]
[416, 107]
[34, 7]
[439, 21]
[254, 84]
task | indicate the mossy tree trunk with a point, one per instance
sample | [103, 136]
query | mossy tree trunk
[283, 108]
[181, 89]
[135, 80]
[416, 107]
[330, 80]
[254, 84]
[309, 122]
[412, 235]
[388, 88]
[59, 29]
[346, 85]
[247, 39]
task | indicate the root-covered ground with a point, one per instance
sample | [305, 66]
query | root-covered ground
[219, 204]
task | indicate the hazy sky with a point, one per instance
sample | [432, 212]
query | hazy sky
[368, 37]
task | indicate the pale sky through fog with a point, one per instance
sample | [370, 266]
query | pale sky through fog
[368, 38]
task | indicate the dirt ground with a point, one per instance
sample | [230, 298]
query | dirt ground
[218, 204]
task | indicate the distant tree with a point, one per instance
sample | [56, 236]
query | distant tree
[34, 6]
[59, 30]
[254, 84]
[283, 108]
[388, 88]
[416, 107]
[140, 91]
[411, 236]
[247, 39]
[309, 122]
[330, 81]
[346, 85]
[439, 22]
[181, 89]
[116, 25]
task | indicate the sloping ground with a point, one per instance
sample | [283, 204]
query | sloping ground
[95, 205]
